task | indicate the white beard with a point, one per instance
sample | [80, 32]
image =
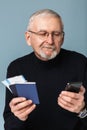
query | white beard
[53, 55]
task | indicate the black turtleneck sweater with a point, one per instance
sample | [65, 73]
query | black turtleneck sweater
[51, 78]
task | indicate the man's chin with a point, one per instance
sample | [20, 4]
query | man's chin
[48, 56]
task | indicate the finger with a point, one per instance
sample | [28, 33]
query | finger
[67, 99]
[63, 102]
[67, 107]
[71, 104]
[25, 114]
[21, 105]
[23, 110]
[70, 94]
[64, 105]
[17, 100]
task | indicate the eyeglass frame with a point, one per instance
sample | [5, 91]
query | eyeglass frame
[46, 34]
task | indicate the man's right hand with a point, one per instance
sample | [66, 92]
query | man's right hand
[21, 107]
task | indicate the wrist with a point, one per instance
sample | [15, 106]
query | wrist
[83, 112]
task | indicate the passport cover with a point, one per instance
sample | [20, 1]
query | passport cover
[27, 90]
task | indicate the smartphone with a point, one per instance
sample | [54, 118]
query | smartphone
[73, 86]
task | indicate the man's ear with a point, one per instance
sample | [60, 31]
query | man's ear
[62, 40]
[27, 37]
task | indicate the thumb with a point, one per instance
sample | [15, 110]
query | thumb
[82, 90]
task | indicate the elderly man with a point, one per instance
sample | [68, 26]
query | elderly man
[51, 67]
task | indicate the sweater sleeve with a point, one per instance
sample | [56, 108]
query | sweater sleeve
[84, 120]
[11, 122]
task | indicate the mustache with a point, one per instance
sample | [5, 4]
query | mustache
[49, 47]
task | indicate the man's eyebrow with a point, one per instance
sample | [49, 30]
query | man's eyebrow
[42, 30]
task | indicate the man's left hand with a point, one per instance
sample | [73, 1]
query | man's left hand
[71, 101]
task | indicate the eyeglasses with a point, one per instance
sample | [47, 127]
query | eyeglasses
[44, 35]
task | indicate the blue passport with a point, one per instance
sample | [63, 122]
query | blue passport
[27, 90]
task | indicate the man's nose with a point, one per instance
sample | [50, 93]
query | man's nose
[50, 39]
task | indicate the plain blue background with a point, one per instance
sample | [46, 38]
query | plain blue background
[13, 22]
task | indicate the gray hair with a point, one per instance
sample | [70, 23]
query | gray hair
[44, 12]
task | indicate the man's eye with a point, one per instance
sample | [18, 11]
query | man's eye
[43, 33]
[57, 34]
